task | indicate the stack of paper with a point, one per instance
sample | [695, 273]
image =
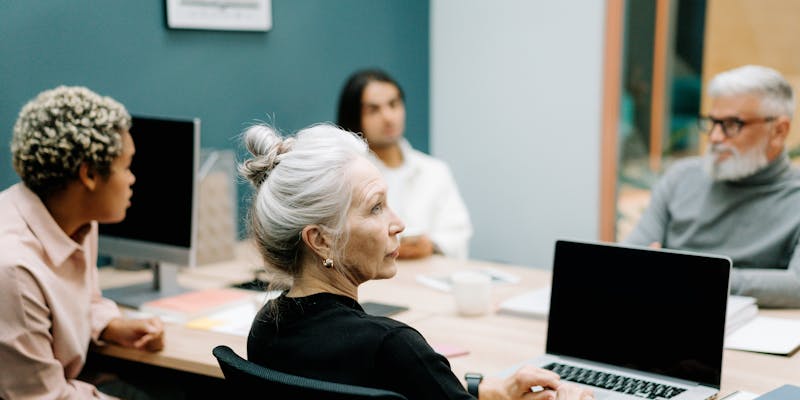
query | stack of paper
[534, 304]
[741, 310]
[184, 307]
[234, 320]
[766, 335]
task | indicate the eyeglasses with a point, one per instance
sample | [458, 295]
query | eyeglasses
[730, 126]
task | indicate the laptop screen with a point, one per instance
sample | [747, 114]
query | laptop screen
[648, 310]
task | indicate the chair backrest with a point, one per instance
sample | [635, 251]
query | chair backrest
[253, 380]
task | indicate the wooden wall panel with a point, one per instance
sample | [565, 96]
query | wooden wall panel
[764, 32]
[612, 88]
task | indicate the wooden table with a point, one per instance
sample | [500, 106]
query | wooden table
[496, 342]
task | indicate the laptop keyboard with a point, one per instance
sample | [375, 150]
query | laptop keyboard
[617, 383]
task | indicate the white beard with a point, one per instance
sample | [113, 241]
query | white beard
[738, 165]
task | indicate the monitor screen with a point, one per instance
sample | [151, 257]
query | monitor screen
[160, 223]
[649, 310]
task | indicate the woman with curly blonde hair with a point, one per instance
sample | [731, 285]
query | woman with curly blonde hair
[72, 149]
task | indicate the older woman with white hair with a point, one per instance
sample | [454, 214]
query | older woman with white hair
[320, 216]
[72, 149]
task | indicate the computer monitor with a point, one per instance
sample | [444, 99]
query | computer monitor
[160, 227]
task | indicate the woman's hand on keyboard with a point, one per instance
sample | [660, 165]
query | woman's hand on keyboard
[518, 386]
[573, 392]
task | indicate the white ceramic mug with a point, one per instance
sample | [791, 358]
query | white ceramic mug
[472, 292]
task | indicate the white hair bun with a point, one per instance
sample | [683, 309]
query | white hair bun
[266, 145]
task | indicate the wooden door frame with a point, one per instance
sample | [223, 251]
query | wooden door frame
[609, 132]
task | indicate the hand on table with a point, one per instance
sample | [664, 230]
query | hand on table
[143, 334]
[415, 247]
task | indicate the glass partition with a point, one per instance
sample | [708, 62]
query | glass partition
[660, 98]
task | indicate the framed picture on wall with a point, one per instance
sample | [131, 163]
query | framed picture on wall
[227, 15]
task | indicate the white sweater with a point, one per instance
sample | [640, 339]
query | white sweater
[424, 195]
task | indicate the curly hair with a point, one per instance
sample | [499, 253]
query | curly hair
[61, 129]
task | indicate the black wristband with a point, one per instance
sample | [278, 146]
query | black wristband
[473, 381]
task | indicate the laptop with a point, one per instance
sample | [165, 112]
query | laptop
[634, 322]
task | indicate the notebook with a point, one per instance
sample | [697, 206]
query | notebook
[785, 392]
[768, 335]
[187, 306]
[635, 323]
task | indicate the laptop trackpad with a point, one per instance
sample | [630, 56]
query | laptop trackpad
[607, 395]
[601, 394]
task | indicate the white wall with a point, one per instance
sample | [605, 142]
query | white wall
[515, 111]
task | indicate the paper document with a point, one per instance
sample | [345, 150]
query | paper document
[197, 303]
[534, 304]
[444, 284]
[766, 335]
[234, 320]
[741, 310]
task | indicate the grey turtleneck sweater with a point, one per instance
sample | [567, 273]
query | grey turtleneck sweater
[755, 221]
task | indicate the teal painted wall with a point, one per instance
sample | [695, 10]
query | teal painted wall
[290, 75]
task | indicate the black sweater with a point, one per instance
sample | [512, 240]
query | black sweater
[330, 337]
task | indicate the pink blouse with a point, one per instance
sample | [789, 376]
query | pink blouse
[50, 302]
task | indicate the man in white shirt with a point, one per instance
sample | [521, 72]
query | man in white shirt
[422, 189]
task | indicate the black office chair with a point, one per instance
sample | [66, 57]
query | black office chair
[247, 378]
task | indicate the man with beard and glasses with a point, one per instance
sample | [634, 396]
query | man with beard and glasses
[742, 198]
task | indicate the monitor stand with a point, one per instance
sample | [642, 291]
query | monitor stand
[164, 284]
